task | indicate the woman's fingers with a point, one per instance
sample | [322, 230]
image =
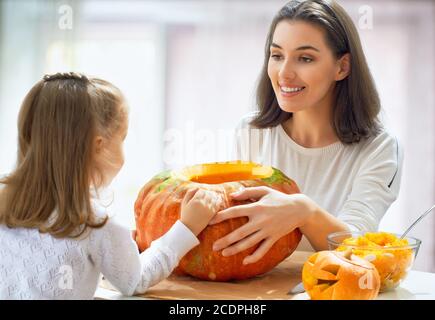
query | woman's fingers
[250, 193]
[234, 236]
[260, 252]
[234, 212]
[244, 244]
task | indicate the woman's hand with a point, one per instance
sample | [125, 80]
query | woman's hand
[274, 215]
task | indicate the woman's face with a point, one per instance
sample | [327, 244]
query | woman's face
[302, 68]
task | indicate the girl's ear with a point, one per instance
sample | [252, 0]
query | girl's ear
[98, 144]
[343, 67]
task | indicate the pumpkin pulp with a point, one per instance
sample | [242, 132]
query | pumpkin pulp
[215, 173]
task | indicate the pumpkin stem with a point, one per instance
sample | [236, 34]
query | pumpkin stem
[347, 253]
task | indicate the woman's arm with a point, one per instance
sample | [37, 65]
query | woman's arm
[319, 226]
[274, 215]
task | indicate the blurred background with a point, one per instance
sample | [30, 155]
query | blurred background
[189, 69]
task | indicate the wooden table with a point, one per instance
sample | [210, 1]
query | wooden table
[273, 285]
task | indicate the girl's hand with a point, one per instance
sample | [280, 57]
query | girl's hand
[274, 215]
[198, 207]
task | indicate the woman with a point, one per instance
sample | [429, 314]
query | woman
[318, 123]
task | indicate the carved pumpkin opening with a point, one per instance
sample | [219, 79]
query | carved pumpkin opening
[324, 284]
[215, 173]
[332, 268]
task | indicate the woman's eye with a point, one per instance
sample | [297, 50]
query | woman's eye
[305, 59]
[275, 56]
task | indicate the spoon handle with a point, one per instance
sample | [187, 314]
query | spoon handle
[416, 221]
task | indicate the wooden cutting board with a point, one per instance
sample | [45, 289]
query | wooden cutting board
[271, 286]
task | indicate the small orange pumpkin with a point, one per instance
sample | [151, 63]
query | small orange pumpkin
[332, 275]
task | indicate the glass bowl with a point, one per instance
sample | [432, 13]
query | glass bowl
[393, 258]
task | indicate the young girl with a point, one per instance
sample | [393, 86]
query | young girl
[317, 121]
[54, 237]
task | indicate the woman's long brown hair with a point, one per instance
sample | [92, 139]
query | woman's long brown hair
[58, 122]
[357, 102]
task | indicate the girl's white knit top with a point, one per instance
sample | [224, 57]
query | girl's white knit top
[39, 266]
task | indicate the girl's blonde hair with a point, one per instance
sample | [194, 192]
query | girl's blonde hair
[58, 122]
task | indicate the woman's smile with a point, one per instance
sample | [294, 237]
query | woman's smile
[289, 91]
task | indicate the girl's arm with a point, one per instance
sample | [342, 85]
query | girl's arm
[131, 272]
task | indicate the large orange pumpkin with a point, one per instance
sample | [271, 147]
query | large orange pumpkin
[157, 208]
[333, 275]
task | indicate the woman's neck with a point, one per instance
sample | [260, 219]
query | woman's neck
[312, 128]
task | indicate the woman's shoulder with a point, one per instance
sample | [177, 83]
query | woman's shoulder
[384, 146]
[384, 139]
